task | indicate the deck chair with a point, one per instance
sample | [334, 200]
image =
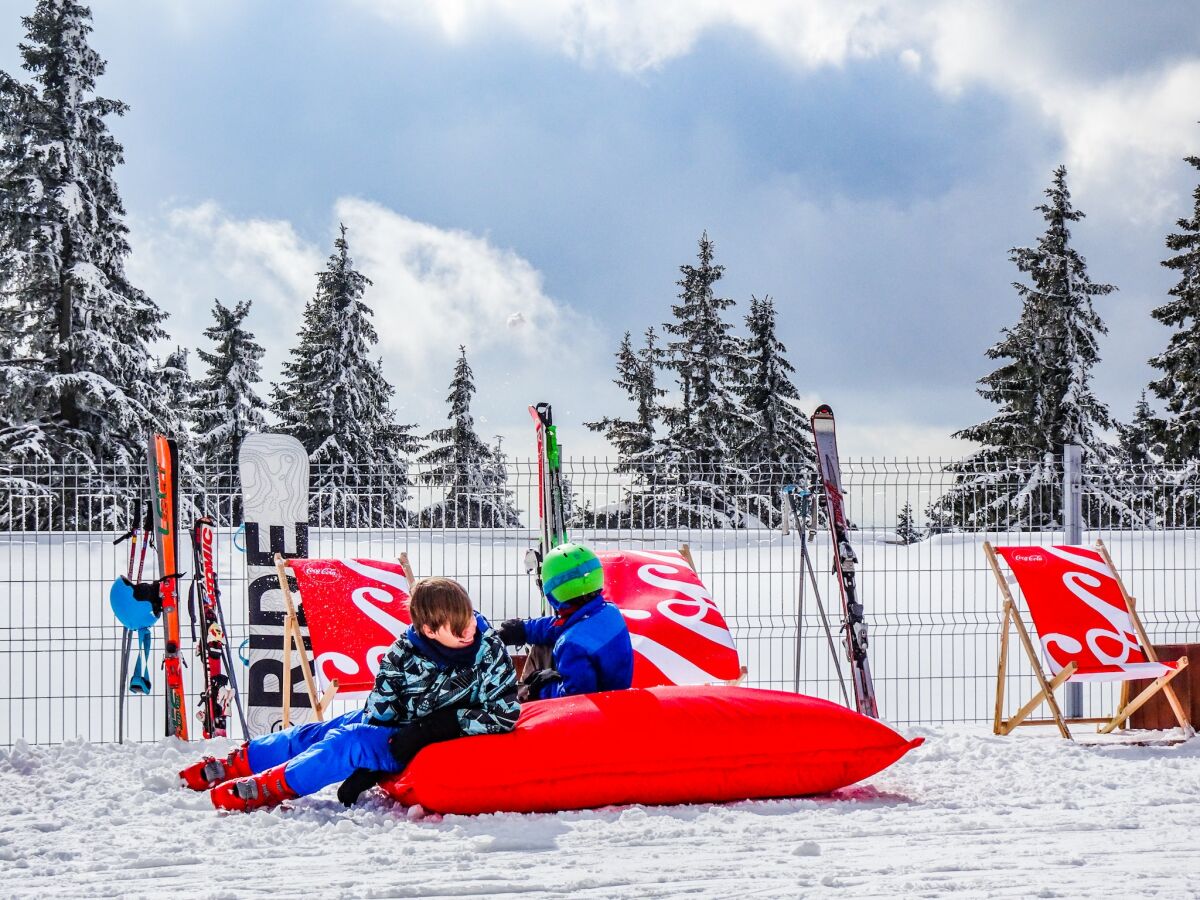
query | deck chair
[1089, 631]
[354, 609]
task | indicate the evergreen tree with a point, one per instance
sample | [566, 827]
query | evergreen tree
[473, 475]
[1043, 387]
[178, 386]
[1179, 386]
[335, 400]
[696, 477]
[77, 380]
[906, 526]
[633, 438]
[1137, 443]
[1134, 478]
[226, 406]
[704, 356]
[776, 446]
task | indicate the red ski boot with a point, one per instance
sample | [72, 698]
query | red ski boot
[259, 791]
[210, 771]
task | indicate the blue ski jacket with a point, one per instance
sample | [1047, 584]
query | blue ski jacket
[591, 649]
[483, 690]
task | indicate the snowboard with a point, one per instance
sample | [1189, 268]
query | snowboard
[274, 474]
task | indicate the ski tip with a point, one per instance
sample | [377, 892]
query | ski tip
[823, 410]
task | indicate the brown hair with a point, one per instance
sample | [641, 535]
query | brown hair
[440, 601]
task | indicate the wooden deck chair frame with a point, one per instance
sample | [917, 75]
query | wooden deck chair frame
[292, 637]
[1126, 707]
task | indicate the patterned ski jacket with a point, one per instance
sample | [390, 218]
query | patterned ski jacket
[410, 685]
[591, 649]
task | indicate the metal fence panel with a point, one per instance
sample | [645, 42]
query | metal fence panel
[932, 607]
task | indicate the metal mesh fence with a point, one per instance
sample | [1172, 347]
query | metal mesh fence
[932, 606]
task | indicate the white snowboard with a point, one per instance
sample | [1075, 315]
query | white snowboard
[274, 471]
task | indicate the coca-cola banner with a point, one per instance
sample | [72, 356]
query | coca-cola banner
[355, 609]
[679, 636]
[1079, 613]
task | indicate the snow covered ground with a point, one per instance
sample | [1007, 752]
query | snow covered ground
[968, 814]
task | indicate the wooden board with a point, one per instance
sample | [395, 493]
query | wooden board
[1156, 714]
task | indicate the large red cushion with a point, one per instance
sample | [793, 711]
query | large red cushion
[659, 745]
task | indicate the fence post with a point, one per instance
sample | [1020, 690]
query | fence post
[1072, 516]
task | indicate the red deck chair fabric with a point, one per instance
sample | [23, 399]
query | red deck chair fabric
[1079, 613]
[679, 635]
[355, 609]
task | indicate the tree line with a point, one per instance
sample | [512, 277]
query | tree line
[709, 438]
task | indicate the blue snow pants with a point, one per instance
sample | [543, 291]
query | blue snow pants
[319, 754]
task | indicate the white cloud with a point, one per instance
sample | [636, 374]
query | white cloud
[433, 289]
[633, 35]
[1120, 128]
[1122, 132]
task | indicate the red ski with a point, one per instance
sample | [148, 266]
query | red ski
[164, 479]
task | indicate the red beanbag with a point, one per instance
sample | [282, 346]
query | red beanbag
[660, 745]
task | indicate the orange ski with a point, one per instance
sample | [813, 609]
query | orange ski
[164, 479]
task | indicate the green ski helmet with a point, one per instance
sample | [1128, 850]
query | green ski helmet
[570, 571]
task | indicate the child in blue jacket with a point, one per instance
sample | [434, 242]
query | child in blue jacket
[447, 676]
[587, 637]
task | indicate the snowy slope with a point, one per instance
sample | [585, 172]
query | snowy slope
[968, 814]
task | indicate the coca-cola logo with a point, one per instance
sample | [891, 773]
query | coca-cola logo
[1028, 557]
[327, 572]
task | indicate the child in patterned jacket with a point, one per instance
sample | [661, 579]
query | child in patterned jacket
[448, 676]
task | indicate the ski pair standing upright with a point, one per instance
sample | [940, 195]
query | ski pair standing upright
[845, 560]
[551, 508]
[216, 658]
[163, 458]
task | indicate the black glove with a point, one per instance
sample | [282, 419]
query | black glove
[409, 740]
[360, 780]
[512, 632]
[531, 688]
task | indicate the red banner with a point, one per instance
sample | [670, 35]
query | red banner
[1079, 613]
[355, 609]
[679, 636]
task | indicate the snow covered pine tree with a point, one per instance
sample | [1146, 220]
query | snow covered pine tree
[225, 406]
[473, 476]
[1043, 388]
[633, 439]
[1178, 431]
[334, 400]
[696, 467]
[77, 382]
[776, 444]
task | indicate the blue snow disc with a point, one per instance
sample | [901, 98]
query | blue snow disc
[133, 613]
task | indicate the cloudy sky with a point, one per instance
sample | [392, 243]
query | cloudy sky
[526, 176]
